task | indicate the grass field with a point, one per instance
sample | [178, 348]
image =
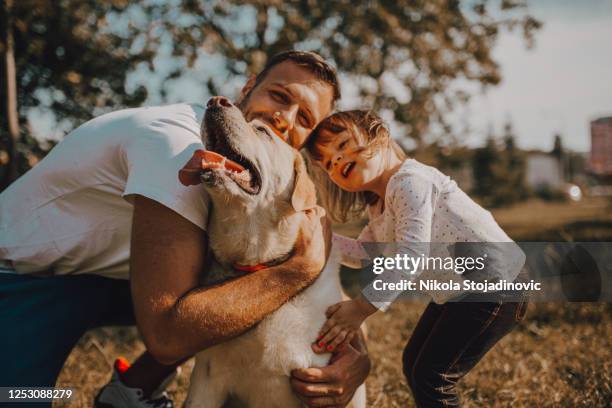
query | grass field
[560, 356]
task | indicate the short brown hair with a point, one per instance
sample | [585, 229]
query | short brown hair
[371, 133]
[312, 61]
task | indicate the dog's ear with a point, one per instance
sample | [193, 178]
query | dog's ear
[304, 194]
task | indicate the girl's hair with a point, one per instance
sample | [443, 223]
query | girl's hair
[372, 134]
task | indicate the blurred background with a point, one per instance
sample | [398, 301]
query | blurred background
[511, 98]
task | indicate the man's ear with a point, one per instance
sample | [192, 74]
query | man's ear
[246, 89]
[304, 193]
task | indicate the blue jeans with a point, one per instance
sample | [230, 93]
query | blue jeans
[41, 319]
[449, 340]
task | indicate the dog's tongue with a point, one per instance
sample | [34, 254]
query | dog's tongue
[213, 160]
[189, 175]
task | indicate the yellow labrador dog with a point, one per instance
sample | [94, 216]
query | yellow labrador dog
[259, 190]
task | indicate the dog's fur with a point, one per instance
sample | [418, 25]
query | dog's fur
[253, 227]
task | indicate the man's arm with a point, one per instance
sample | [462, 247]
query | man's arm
[176, 317]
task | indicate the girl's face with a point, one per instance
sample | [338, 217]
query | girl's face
[350, 166]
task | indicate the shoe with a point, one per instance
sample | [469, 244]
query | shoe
[116, 394]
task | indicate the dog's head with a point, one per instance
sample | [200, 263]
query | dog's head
[258, 185]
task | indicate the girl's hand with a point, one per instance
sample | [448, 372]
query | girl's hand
[343, 322]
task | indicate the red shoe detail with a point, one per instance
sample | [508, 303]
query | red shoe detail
[122, 365]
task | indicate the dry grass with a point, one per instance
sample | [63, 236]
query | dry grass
[590, 219]
[560, 356]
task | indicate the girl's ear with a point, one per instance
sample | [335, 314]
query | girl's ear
[304, 193]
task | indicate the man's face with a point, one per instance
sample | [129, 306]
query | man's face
[290, 100]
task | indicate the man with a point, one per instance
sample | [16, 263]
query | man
[106, 201]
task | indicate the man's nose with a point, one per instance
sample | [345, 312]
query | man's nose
[284, 120]
[219, 101]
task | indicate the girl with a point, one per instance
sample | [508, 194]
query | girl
[410, 205]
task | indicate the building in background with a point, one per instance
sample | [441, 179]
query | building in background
[544, 171]
[600, 160]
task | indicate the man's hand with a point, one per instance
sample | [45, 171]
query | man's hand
[314, 242]
[334, 385]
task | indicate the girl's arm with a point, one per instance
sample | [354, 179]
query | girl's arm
[353, 254]
[412, 200]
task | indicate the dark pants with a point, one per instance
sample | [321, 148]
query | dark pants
[448, 341]
[41, 319]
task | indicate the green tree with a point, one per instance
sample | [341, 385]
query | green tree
[511, 186]
[563, 157]
[499, 174]
[61, 55]
[405, 56]
[10, 90]
[407, 53]
[557, 150]
[484, 169]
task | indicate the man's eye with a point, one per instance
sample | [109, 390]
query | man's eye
[343, 144]
[304, 121]
[279, 97]
[328, 165]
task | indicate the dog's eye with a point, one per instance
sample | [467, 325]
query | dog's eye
[264, 129]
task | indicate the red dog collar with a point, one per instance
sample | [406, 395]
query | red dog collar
[250, 268]
[259, 267]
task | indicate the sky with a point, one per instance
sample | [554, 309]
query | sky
[558, 86]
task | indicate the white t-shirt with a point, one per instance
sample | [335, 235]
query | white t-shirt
[424, 207]
[72, 214]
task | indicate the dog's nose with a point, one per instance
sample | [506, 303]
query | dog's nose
[219, 101]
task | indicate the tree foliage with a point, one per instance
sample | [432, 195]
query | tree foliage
[405, 56]
[500, 171]
[69, 60]
[408, 54]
